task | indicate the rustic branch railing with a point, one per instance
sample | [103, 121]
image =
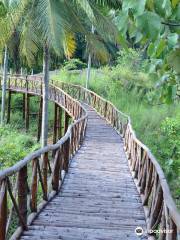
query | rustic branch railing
[38, 177]
[162, 216]
[163, 219]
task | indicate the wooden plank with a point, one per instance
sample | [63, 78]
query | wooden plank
[98, 198]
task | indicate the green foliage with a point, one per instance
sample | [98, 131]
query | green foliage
[14, 146]
[129, 87]
[3, 10]
[154, 26]
[133, 59]
[168, 150]
[149, 24]
[74, 64]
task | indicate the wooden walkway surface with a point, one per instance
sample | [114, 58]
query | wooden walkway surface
[98, 199]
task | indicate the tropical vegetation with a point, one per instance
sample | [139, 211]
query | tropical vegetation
[131, 50]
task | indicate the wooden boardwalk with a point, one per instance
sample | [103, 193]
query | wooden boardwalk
[98, 199]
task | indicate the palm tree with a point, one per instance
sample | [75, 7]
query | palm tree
[11, 12]
[47, 26]
[89, 64]
[3, 38]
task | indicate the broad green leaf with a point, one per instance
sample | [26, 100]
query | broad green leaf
[171, 92]
[121, 22]
[151, 49]
[123, 42]
[161, 46]
[178, 13]
[140, 6]
[139, 37]
[132, 30]
[149, 24]
[163, 8]
[174, 60]
[172, 39]
[127, 4]
[137, 6]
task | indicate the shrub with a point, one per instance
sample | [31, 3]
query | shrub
[169, 150]
[74, 64]
[14, 146]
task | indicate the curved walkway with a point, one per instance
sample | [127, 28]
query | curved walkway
[98, 199]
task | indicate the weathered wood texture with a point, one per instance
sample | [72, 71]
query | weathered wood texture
[98, 199]
[38, 177]
[160, 209]
[89, 172]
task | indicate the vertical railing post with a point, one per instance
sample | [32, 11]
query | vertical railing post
[105, 110]
[3, 210]
[27, 112]
[22, 193]
[66, 154]
[34, 186]
[66, 122]
[39, 119]
[59, 122]
[57, 171]
[24, 106]
[55, 123]
[9, 107]
[45, 172]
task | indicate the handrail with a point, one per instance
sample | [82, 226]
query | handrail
[41, 166]
[160, 209]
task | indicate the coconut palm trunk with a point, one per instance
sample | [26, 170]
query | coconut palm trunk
[89, 64]
[4, 84]
[46, 59]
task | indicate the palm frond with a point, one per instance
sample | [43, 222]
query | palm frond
[30, 42]
[97, 48]
[69, 44]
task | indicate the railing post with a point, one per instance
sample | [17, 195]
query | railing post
[66, 122]
[39, 119]
[66, 154]
[105, 110]
[55, 123]
[156, 208]
[3, 210]
[45, 172]
[24, 106]
[9, 107]
[22, 193]
[34, 186]
[59, 122]
[57, 171]
[27, 111]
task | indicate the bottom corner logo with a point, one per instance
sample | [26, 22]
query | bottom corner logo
[139, 231]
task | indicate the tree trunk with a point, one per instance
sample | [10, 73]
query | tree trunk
[88, 71]
[89, 64]
[4, 85]
[46, 58]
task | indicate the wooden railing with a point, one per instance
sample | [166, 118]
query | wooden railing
[162, 216]
[38, 177]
